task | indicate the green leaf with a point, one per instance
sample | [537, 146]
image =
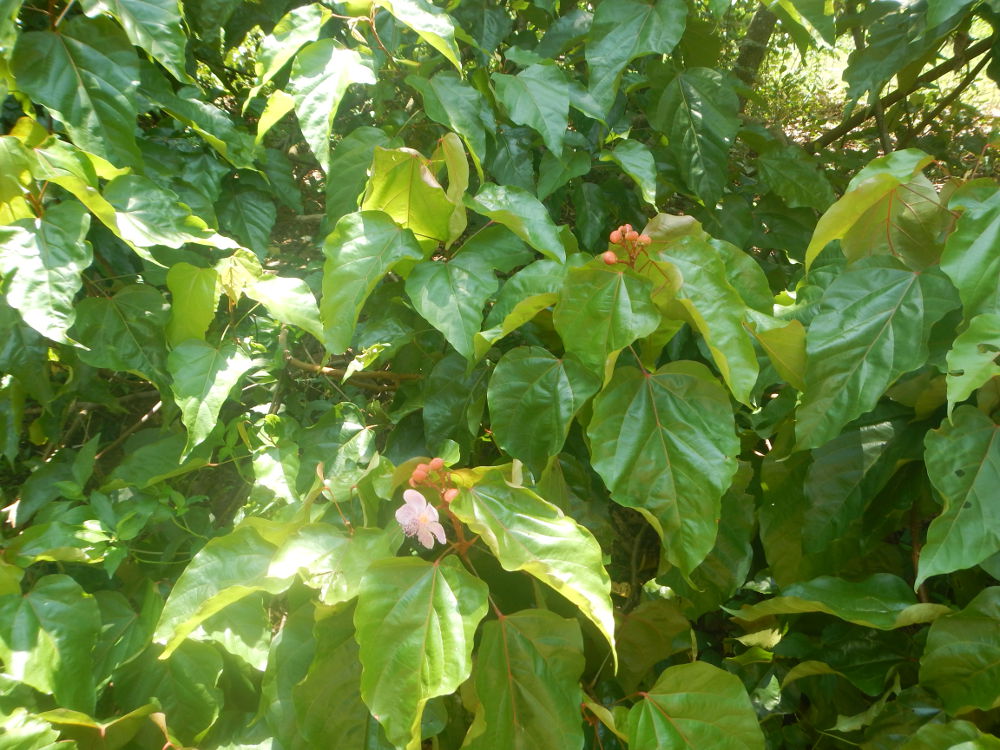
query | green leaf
[459, 107]
[453, 400]
[955, 735]
[288, 300]
[538, 97]
[362, 249]
[47, 639]
[226, 569]
[556, 171]
[99, 735]
[785, 346]
[874, 325]
[248, 215]
[961, 662]
[601, 311]
[415, 624]
[451, 296]
[882, 601]
[527, 533]
[332, 560]
[350, 160]
[296, 28]
[528, 670]
[533, 397]
[647, 635]
[194, 294]
[125, 332]
[665, 444]
[707, 300]
[86, 75]
[42, 261]
[973, 355]
[203, 376]
[321, 74]
[523, 214]
[795, 176]
[623, 30]
[153, 25]
[963, 463]
[699, 114]
[694, 706]
[636, 160]
[402, 186]
[523, 311]
[970, 259]
[432, 24]
[880, 178]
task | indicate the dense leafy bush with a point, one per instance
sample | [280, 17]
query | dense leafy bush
[378, 375]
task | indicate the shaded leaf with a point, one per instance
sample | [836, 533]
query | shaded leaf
[538, 97]
[523, 214]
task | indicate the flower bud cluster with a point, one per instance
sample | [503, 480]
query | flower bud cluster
[433, 475]
[630, 240]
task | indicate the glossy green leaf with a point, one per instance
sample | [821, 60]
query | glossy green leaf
[528, 671]
[874, 325]
[523, 214]
[226, 569]
[295, 29]
[523, 311]
[248, 215]
[350, 160]
[970, 259]
[623, 30]
[961, 662]
[694, 706]
[86, 74]
[203, 376]
[125, 332]
[362, 249]
[636, 160]
[47, 638]
[415, 624]
[527, 533]
[402, 186]
[153, 25]
[601, 310]
[973, 355]
[459, 107]
[288, 300]
[99, 735]
[431, 23]
[882, 601]
[963, 463]
[454, 400]
[555, 171]
[321, 74]
[698, 112]
[42, 261]
[533, 397]
[194, 297]
[785, 346]
[955, 735]
[665, 444]
[538, 97]
[451, 296]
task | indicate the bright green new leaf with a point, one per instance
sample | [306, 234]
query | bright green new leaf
[288, 300]
[882, 601]
[972, 361]
[601, 310]
[963, 463]
[194, 297]
[527, 533]
[86, 75]
[402, 186]
[321, 74]
[665, 444]
[451, 296]
[451, 151]
[459, 107]
[153, 25]
[528, 670]
[47, 638]
[432, 24]
[699, 114]
[296, 28]
[533, 397]
[874, 325]
[784, 344]
[623, 30]
[636, 160]
[125, 332]
[970, 259]
[203, 377]
[961, 662]
[415, 624]
[361, 250]
[42, 261]
[523, 214]
[226, 569]
[538, 97]
[694, 706]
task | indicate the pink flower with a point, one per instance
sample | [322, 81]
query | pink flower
[420, 519]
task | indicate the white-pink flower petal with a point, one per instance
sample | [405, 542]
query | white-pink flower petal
[420, 519]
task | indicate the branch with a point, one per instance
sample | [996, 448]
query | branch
[899, 94]
[946, 102]
[360, 374]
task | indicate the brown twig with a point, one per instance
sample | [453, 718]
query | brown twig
[361, 374]
[947, 101]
